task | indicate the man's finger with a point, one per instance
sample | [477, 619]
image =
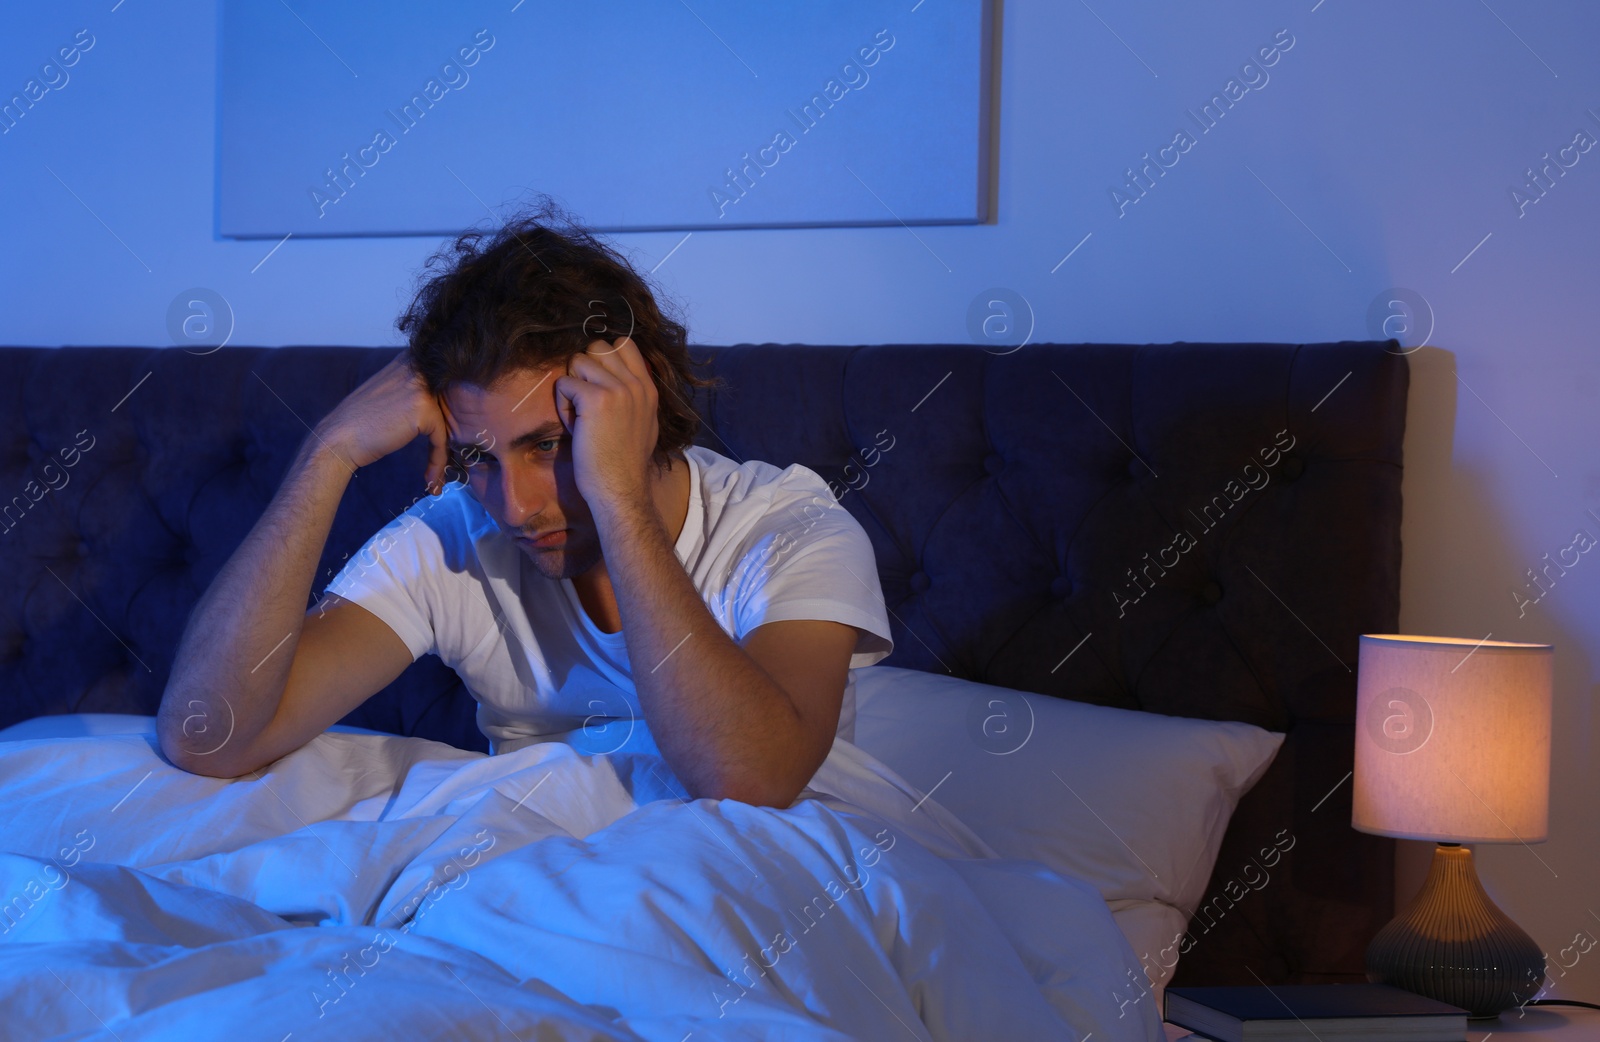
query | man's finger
[628, 355]
[600, 346]
[438, 459]
[607, 356]
[444, 411]
[568, 388]
[437, 428]
[595, 371]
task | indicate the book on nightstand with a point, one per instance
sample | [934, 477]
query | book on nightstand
[1325, 1012]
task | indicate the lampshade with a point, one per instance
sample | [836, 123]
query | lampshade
[1453, 739]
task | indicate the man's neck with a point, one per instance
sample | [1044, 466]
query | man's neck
[670, 492]
[672, 496]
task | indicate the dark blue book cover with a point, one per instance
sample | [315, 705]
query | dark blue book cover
[1314, 1001]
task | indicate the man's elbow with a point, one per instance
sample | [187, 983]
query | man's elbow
[184, 752]
[756, 790]
[210, 766]
[206, 766]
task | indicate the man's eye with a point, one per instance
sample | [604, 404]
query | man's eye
[552, 442]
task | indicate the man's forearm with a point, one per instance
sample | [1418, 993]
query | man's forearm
[723, 724]
[234, 659]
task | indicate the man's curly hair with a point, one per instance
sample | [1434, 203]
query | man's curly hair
[533, 293]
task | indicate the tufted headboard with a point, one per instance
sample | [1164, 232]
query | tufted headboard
[1214, 525]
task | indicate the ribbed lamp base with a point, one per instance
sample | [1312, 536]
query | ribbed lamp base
[1454, 945]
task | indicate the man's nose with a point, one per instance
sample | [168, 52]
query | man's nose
[523, 495]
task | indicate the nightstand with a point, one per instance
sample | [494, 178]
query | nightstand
[1538, 1024]
[1542, 1024]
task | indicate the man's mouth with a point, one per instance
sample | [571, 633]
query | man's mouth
[549, 539]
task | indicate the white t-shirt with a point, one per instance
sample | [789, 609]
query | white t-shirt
[760, 545]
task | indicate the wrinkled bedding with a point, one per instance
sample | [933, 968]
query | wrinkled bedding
[372, 886]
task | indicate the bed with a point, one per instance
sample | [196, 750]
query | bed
[1125, 584]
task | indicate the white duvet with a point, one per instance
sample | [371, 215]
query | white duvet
[372, 886]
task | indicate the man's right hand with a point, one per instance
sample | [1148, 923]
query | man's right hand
[384, 415]
[288, 673]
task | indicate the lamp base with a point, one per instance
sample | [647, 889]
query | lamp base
[1456, 946]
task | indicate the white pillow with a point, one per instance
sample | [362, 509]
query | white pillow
[1152, 929]
[1133, 803]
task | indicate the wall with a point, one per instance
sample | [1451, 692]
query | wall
[1380, 150]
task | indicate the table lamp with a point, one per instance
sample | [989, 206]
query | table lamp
[1453, 745]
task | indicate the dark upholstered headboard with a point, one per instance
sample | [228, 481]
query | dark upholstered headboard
[1214, 523]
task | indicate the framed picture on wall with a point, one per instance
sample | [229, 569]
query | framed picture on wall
[365, 118]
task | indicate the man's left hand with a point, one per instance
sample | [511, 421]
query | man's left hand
[607, 401]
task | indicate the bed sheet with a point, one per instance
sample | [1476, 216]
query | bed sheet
[368, 886]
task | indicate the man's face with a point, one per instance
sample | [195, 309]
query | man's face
[522, 471]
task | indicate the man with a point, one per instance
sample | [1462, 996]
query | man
[594, 563]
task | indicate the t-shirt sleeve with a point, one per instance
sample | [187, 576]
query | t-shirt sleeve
[808, 558]
[393, 577]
